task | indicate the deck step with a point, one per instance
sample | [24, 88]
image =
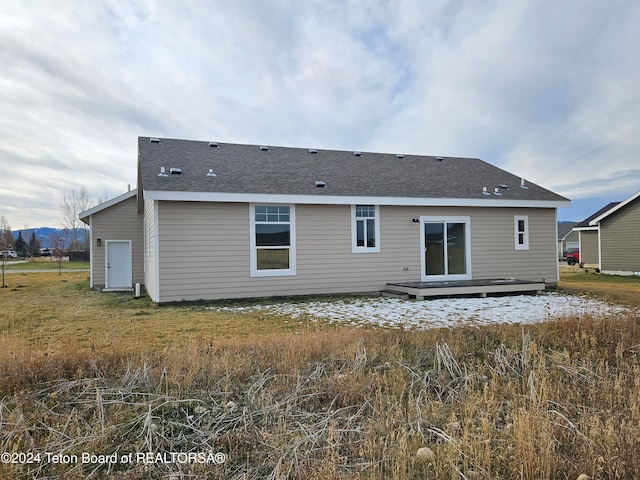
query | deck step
[394, 294]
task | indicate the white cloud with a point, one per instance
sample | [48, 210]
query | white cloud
[548, 92]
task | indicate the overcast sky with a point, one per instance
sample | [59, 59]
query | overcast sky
[549, 90]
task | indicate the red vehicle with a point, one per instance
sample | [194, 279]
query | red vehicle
[573, 256]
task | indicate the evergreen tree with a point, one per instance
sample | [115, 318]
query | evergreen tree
[21, 245]
[34, 245]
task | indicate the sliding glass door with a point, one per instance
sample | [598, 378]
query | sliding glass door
[446, 248]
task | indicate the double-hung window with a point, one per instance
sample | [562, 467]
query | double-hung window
[521, 232]
[272, 230]
[365, 228]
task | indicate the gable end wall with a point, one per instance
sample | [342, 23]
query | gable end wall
[620, 240]
[118, 222]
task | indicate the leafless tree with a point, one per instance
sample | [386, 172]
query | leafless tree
[58, 248]
[73, 203]
[5, 238]
[102, 198]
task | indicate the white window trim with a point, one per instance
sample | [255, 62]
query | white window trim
[516, 232]
[253, 257]
[467, 234]
[354, 231]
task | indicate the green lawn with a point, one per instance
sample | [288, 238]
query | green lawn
[614, 288]
[43, 264]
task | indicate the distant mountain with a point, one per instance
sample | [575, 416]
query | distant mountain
[46, 234]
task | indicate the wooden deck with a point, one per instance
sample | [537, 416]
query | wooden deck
[420, 290]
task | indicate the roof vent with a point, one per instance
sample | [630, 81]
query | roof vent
[264, 148]
[320, 184]
[162, 173]
[175, 171]
[497, 192]
[522, 184]
[484, 191]
[213, 144]
[210, 173]
[504, 186]
[399, 155]
[440, 159]
[357, 154]
[313, 151]
[154, 140]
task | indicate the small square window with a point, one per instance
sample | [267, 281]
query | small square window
[365, 211]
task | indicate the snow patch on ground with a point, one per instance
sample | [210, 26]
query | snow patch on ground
[447, 312]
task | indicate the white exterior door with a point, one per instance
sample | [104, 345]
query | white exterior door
[118, 265]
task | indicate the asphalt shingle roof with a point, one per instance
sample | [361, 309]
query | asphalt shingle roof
[294, 171]
[585, 223]
[565, 228]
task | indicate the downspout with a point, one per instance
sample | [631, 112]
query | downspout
[91, 247]
[599, 248]
[556, 242]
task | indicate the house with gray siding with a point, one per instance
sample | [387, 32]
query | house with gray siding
[589, 236]
[213, 220]
[610, 237]
[567, 237]
[117, 243]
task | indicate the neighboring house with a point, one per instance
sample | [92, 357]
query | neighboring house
[589, 237]
[215, 220]
[567, 237]
[117, 240]
[610, 237]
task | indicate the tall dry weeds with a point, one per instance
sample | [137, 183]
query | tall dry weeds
[546, 401]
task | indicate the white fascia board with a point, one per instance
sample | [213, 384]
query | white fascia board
[584, 229]
[597, 220]
[107, 204]
[347, 200]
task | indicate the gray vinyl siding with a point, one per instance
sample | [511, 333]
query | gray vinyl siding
[150, 250]
[571, 240]
[620, 239]
[119, 222]
[589, 246]
[572, 237]
[204, 251]
[493, 244]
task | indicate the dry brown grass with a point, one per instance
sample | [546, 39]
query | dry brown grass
[620, 289]
[552, 400]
